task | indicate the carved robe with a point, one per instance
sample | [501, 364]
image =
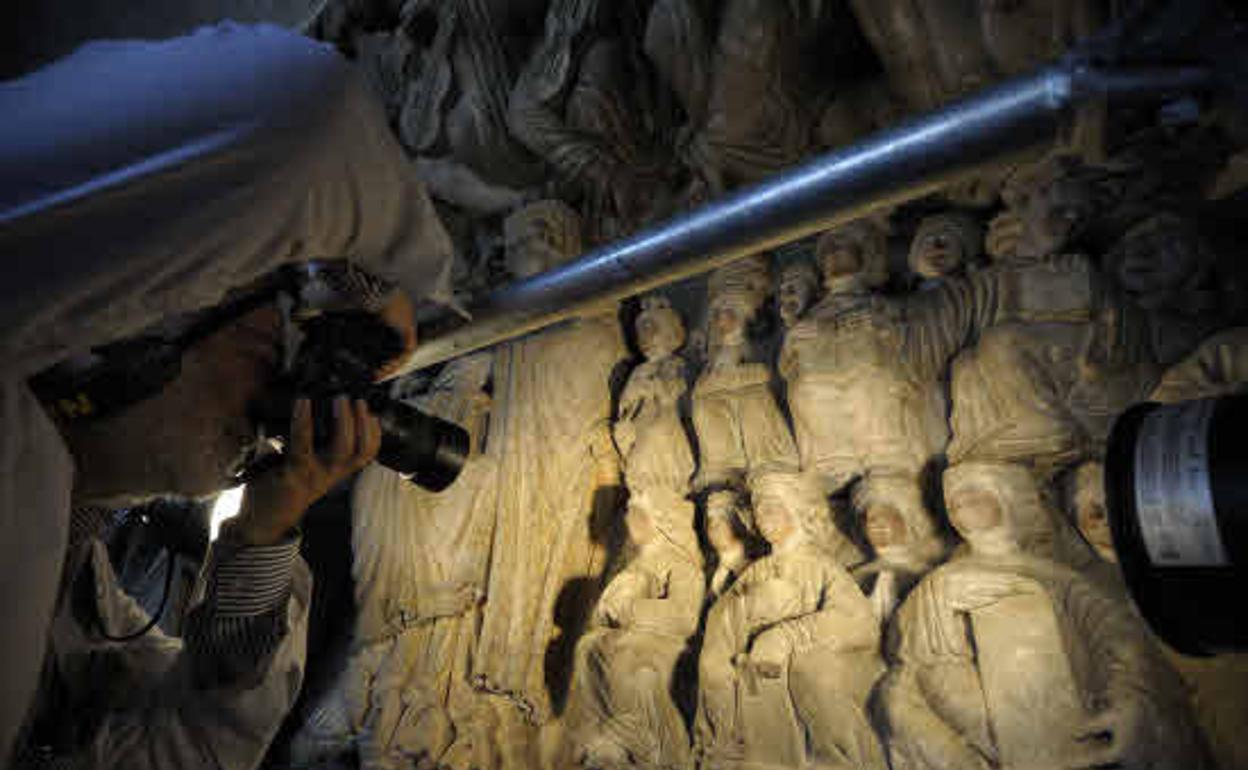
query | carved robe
[739, 426]
[1010, 683]
[622, 689]
[557, 476]
[654, 448]
[810, 688]
[420, 561]
[1044, 388]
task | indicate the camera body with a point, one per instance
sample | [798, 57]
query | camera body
[338, 355]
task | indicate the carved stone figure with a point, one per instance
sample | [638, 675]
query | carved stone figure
[575, 106]
[1007, 658]
[944, 245]
[1049, 204]
[725, 532]
[1167, 272]
[558, 477]
[453, 114]
[654, 449]
[888, 505]
[1021, 394]
[739, 426]
[757, 122]
[859, 402]
[419, 566]
[790, 652]
[797, 289]
[621, 710]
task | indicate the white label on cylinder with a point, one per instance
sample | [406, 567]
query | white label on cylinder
[1173, 500]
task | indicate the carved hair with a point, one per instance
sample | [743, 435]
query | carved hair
[802, 495]
[744, 283]
[903, 493]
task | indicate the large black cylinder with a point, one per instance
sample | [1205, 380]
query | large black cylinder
[1176, 486]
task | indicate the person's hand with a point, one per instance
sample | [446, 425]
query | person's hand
[399, 315]
[275, 502]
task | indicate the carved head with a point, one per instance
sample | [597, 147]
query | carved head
[796, 289]
[997, 509]
[945, 244]
[541, 236]
[736, 291]
[660, 330]
[853, 257]
[724, 520]
[1049, 204]
[791, 507]
[895, 520]
[1085, 500]
[1163, 262]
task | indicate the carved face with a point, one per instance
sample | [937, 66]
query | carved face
[727, 322]
[1053, 215]
[794, 293]
[659, 333]
[775, 521]
[839, 257]
[721, 533]
[539, 237]
[884, 526]
[974, 512]
[1155, 261]
[939, 248]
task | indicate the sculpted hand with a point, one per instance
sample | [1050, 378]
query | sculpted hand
[967, 590]
[768, 653]
[275, 502]
[1005, 232]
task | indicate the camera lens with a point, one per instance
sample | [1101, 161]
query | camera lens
[1176, 487]
[428, 450]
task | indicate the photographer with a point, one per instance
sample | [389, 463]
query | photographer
[141, 182]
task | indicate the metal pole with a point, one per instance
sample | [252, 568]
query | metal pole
[901, 164]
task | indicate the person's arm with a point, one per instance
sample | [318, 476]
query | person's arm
[144, 179]
[216, 698]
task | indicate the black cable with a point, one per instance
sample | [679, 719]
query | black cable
[160, 610]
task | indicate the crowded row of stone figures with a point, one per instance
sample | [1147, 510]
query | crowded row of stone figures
[887, 547]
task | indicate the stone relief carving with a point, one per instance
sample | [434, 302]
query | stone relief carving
[561, 474]
[790, 650]
[420, 572]
[654, 448]
[1092, 690]
[726, 533]
[859, 406]
[739, 427]
[621, 711]
[628, 110]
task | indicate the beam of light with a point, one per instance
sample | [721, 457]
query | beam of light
[225, 507]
